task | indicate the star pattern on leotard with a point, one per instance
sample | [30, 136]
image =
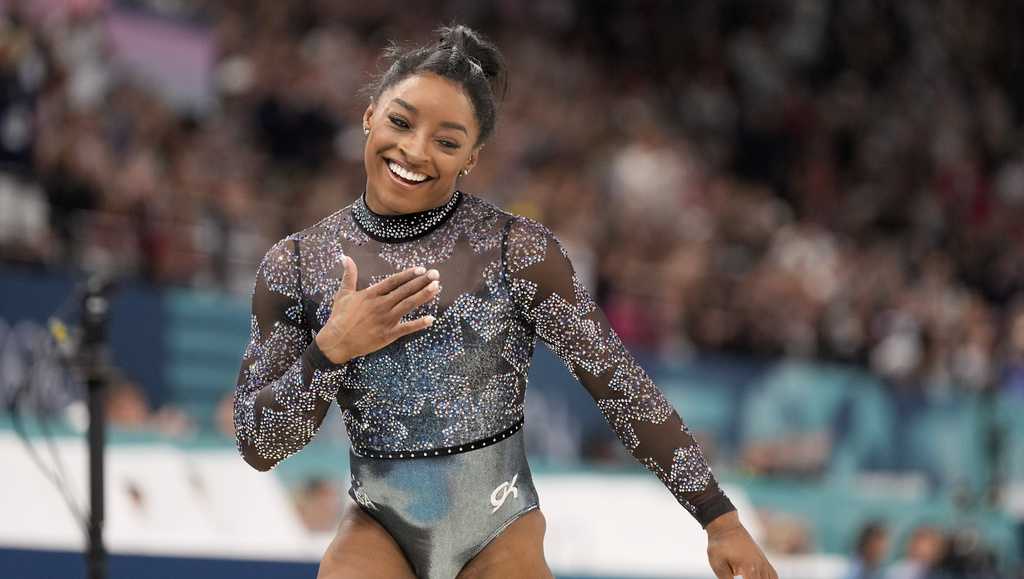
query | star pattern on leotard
[508, 282]
[688, 474]
[565, 317]
[636, 399]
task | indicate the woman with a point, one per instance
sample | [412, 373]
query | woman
[430, 377]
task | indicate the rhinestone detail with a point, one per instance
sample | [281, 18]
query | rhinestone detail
[450, 388]
[455, 449]
[402, 227]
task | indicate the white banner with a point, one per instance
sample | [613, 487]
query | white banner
[164, 501]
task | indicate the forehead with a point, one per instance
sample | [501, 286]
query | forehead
[434, 97]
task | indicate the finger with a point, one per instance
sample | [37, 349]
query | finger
[769, 571]
[419, 324]
[410, 287]
[417, 299]
[348, 279]
[391, 282]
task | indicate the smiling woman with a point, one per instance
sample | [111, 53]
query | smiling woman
[431, 383]
[429, 114]
[416, 152]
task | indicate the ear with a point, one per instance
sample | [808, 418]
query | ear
[367, 115]
[473, 158]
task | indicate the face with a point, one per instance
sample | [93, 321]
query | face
[423, 133]
[877, 548]
[926, 545]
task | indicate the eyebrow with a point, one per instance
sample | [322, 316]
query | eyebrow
[446, 124]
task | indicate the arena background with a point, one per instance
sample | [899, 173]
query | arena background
[805, 217]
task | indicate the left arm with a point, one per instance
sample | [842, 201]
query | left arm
[550, 296]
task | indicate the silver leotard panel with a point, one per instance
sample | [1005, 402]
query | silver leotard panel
[444, 510]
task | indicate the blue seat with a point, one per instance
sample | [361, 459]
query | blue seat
[206, 335]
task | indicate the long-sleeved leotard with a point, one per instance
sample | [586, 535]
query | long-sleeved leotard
[460, 383]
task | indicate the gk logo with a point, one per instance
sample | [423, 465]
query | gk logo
[501, 493]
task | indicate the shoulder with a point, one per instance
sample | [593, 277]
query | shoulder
[525, 227]
[483, 223]
[480, 210]
[280, 254]
[284, 255]
[278, 269]
[528, 242]
[325, 230]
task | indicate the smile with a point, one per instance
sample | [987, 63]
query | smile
[406, 175]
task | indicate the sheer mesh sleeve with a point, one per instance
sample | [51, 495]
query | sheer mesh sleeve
[285, 385]
[552, 299]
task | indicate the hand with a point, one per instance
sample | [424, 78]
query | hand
[732, 551]
[365, 321]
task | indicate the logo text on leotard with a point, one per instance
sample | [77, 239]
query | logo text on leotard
[501, 493]
[361, 496]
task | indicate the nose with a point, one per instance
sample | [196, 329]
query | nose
[414, 149]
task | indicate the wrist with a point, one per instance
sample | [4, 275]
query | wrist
[710, 505]
[724, 523]
[335, 355]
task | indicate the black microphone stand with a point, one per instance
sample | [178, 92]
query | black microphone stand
[95, 318]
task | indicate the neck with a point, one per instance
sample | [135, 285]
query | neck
[375, 204]
[396, 227]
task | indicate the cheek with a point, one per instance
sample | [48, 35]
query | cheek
[368, 150]
[372, 148]
[450, 167]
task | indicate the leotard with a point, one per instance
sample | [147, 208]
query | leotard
[446, 401]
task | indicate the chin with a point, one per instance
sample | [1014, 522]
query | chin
[401, 201]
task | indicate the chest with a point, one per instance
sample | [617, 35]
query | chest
[472, 290]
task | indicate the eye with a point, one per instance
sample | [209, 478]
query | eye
[399, 122]
[448, 144]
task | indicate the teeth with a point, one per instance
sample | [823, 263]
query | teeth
[405, 173]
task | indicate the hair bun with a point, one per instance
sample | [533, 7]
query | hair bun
[461, 55]
[463, 39]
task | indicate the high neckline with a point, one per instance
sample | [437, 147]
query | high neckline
[402, 226]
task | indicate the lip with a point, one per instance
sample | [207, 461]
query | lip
[398, 180]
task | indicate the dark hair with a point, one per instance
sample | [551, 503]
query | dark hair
[461, 55]
[869, 532]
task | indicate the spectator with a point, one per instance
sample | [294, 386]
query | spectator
[871, 550]
[128, 409]
[319, 505]
[925, 550]
[968, 557]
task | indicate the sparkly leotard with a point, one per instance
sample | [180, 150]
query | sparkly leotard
[454, 388]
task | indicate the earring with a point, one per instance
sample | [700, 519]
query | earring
[464, 172]
[366, 131]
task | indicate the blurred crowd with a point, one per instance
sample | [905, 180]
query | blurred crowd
[826, 179]
[929, 552]
[813, 179]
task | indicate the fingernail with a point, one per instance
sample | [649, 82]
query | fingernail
[433, 286]
[420, 270]
[433, 274]
[430, 320]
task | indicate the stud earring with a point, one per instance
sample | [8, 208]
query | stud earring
[366, 131]
[464, 172]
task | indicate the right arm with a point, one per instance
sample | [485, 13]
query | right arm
[288, 379]
[286, 384]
